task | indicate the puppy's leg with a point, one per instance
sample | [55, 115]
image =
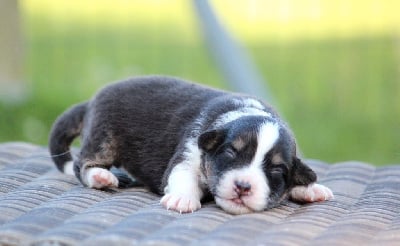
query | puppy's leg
[311, 193]
[183, 192]
[93, 164]
[96, 177]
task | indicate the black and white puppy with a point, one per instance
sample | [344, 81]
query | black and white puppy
[184, 141]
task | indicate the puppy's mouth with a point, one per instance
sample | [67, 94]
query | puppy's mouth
[235, 201]
[238, 201]
[234, 205]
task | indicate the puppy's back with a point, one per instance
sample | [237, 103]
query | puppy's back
[156, 97]
[145, 118]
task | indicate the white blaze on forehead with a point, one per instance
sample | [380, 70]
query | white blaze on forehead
[268, 134]
[234, 115]
[249, 102]
[247, 107]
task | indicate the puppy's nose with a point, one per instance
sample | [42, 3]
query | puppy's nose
[242, 187]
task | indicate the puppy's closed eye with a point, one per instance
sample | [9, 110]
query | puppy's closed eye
[230, 152]
[276, 172]
[277, 178]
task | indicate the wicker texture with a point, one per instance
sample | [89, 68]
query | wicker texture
[40, 206]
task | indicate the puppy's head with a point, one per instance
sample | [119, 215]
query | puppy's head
[251, 163]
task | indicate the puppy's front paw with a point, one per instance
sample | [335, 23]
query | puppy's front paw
[180, 203]
[311, 193]
[100, 178]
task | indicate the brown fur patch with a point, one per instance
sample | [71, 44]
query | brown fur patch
[277, 159]
[103, 159]
[238, 144]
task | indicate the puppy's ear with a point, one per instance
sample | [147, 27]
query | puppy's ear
[302, 174]
[210, 140]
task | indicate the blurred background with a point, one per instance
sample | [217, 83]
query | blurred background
[332, 66]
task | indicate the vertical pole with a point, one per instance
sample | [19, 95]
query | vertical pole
[12, 88]
[232, 60]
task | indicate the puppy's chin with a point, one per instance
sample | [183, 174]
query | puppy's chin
[254, 200]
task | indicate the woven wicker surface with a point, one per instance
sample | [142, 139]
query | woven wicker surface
[39, 205]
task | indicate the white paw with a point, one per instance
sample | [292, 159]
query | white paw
[99, 178]
[180, 203]
[311, 193]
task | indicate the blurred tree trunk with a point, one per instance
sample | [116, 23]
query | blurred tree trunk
[12, 88]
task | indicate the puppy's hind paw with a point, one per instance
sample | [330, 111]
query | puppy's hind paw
[100, 178]
[311, 193]
[180, 203]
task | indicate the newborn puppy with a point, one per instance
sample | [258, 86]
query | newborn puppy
[185, 141]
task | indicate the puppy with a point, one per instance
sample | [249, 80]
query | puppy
[185, 141]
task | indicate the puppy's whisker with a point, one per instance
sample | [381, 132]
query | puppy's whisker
[52, 156]
[64, 153]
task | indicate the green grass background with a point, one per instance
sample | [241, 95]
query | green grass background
[341, 95]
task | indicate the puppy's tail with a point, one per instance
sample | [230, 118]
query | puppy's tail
[65, 129]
